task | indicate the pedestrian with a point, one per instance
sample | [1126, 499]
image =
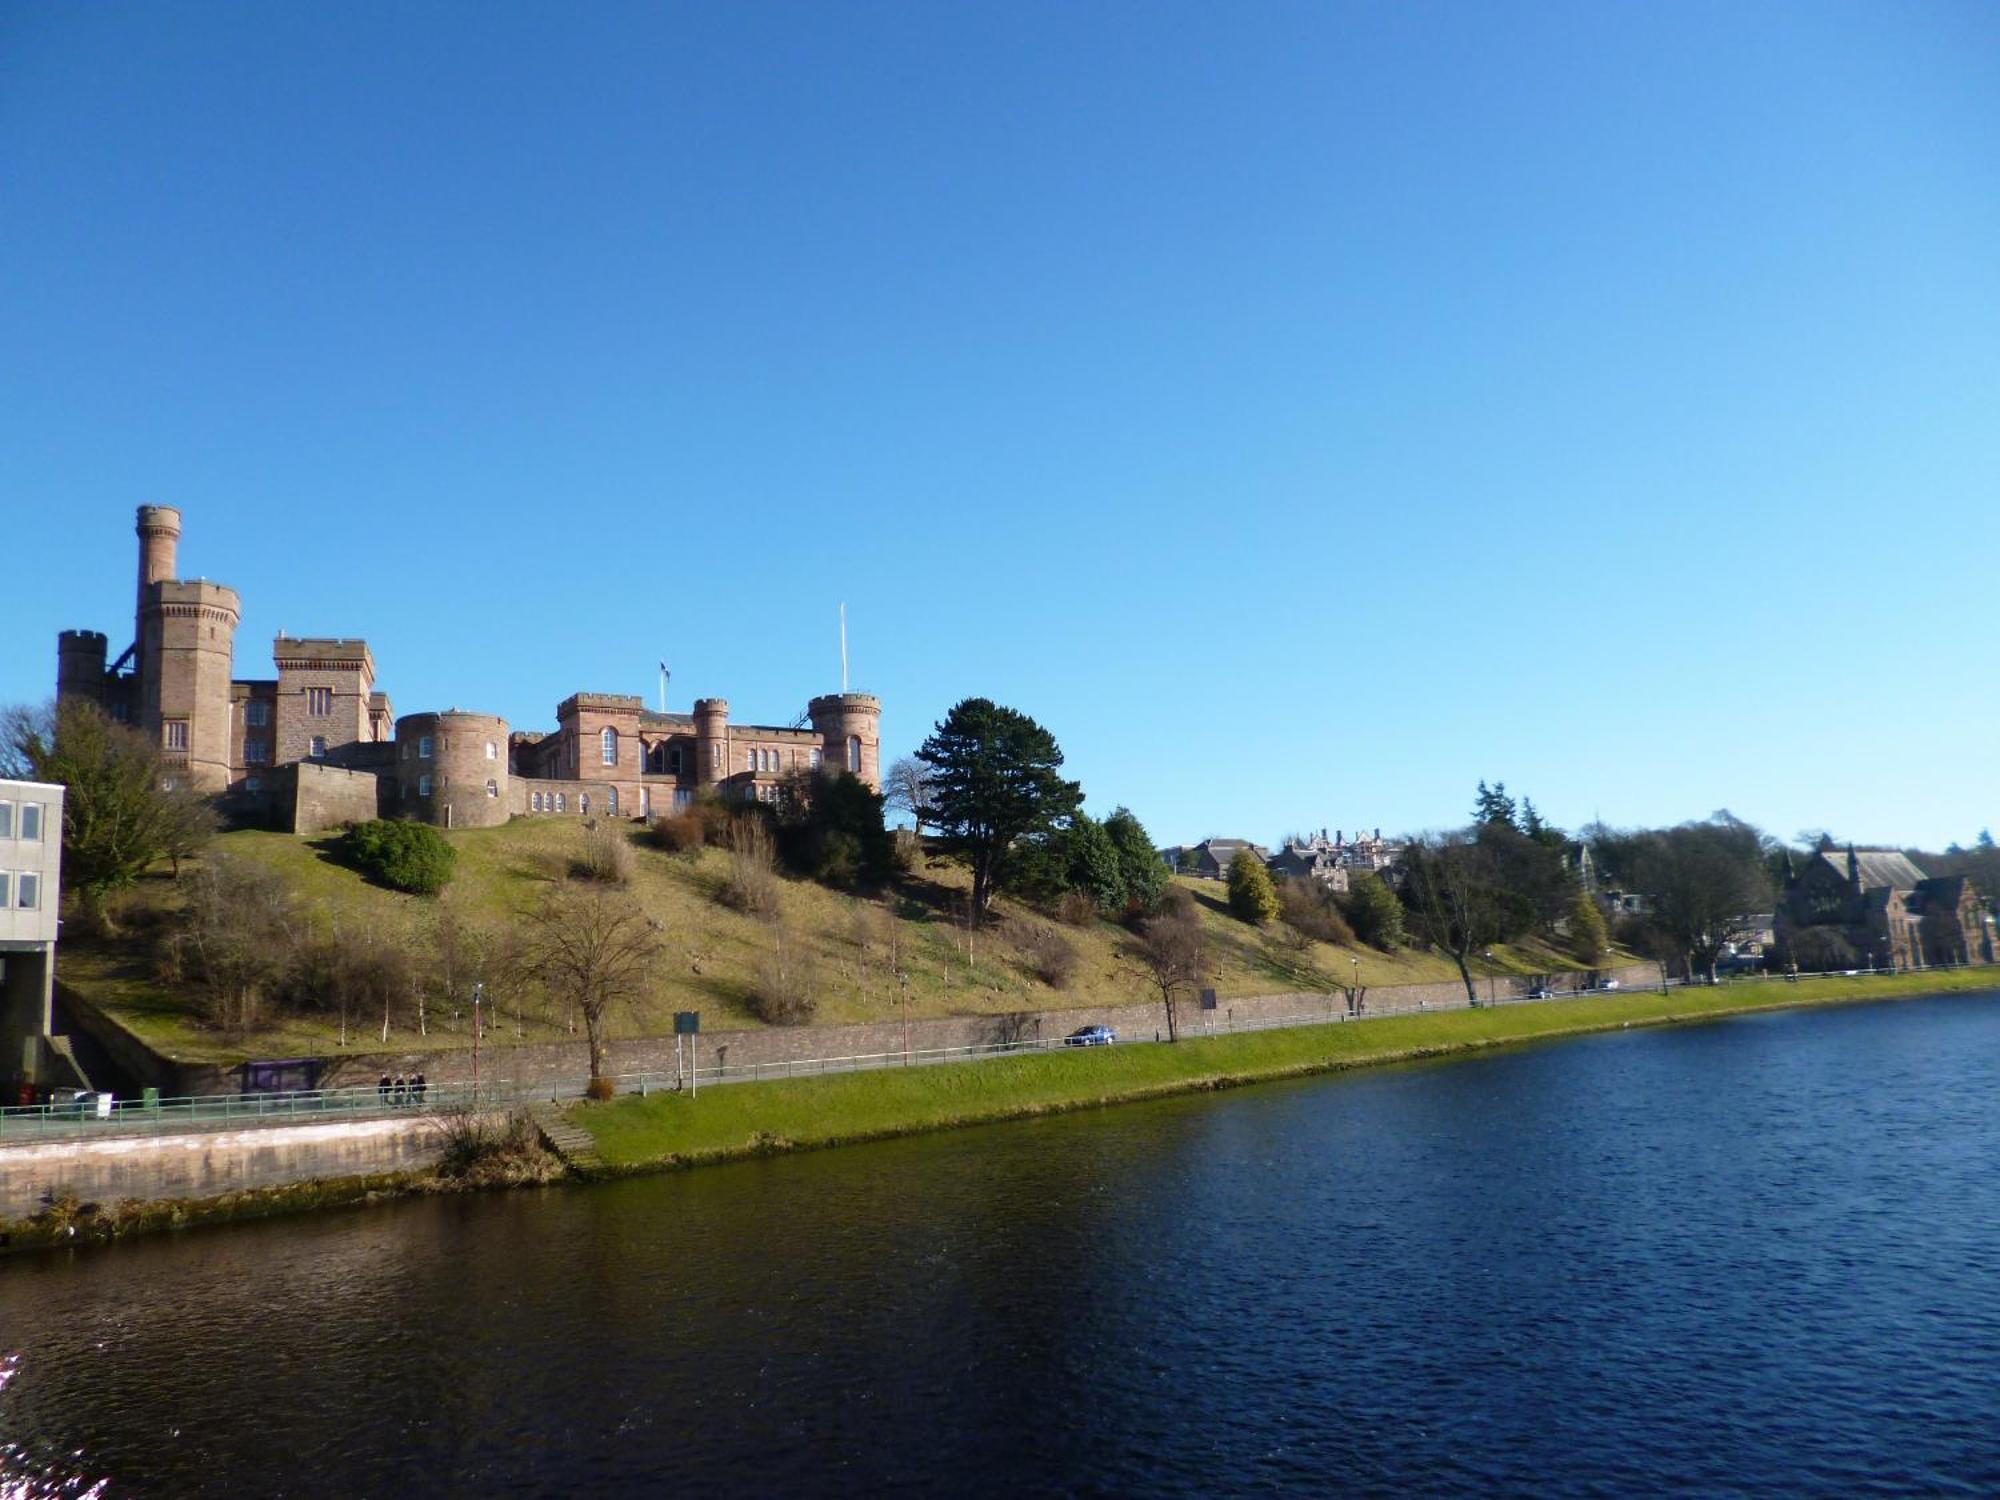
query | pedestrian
[383, 1089]
[417, 1087]
[402, 1089]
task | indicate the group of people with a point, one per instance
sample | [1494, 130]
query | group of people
[401, 1090]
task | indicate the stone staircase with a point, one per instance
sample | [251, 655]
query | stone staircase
[573, 1147]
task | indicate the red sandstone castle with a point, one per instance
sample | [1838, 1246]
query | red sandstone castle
[317, 745]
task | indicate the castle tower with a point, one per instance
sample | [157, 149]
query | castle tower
[80, 657]
[188, 639]
[850, 729]
[711, 740]
[159, 528]
[451, 768]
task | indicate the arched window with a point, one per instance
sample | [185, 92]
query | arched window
[854, 753]
[815, 757]
[492, 751]
[611, 802]
[560, 800]
[750, 763]
[535, 802]
[423, 786]
[583, 803]
[492, 787]
[608, 742]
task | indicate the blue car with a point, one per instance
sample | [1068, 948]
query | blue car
[1091, 1036]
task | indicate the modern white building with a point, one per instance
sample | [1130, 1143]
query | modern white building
[30, 883]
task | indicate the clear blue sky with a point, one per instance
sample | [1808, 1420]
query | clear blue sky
[1303, 410]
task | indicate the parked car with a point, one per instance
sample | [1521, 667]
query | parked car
[89, 1103]
[1541, 992]
[1091, 1036]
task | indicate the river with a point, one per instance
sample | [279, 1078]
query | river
[1754, 1254]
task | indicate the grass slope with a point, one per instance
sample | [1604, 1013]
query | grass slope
[753, 1119]
[856, 946]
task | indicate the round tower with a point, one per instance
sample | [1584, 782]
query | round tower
[849, 726]
[189, 640]
[80, 656]
[711, 740]
[451, 768]
[159, 528]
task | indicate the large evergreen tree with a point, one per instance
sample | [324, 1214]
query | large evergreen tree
[993, 780]
[1251, 894]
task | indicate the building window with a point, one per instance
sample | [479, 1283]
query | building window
[4, 878]
[492, 750]
[492, 787]
[317, 749]
[176, 732]
[683, 798]
[715, 755]
[674, 761]
[29, 889]
[814, 760]
[255, 752]
[424, 747]
[583, 803]
[319, 702]
[560, 799]
[31, 820]
[607, 744]
[854, 753]
[535, 802]
[750, 762]
[256, 713]
[424, 785]
[611, 802]
[6, 820]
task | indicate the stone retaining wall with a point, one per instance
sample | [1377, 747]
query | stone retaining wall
[207, 1164]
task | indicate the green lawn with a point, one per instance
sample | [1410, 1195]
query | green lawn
[747, 1119]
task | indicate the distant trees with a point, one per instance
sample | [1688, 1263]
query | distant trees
[1706, 882]
[906, 787]
[1251, 894]
[993, 779]
[1455, 892]
[120, 812]
[1373, 911]
[1112, 865]
[831, 829]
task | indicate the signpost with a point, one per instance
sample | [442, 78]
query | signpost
[478, 994]
[687, 1023]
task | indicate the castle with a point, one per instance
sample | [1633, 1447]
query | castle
[318, 745]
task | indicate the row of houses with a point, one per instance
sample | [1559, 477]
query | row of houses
[1302, 856]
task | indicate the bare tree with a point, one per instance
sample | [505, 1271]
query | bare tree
[1708, 881]
[907, 788]
[591, 946]
[234, 942]
[1456, 899]
[1173, 951]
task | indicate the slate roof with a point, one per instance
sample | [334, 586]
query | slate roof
[1877, 867]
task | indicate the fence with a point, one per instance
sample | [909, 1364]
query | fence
[96, 1116]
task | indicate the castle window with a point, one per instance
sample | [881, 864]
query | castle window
[854, 753]
[607, 746]
[492, 751]
[583, 803]
[31, 821]
[28, 891]
[751, 763]
[814, 760]
[492, 787]
[319, 702]
[715, 754]
[424, 785]
[683, 798]
[176, 731]
[611, 802]
[256, 752]
[560, 799]
[424, 747]
[535, 802]
[256, 713]
[317, 749]
[674, 761]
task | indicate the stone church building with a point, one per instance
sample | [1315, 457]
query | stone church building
[318, 744]
[1886, 909]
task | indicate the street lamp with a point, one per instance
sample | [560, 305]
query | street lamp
[1491, 998]
[478, 994]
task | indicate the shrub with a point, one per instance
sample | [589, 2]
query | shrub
[479, 1152]
[1049, 955]
[404, 856]
[1589, 938]
[1307, 908]
[600, 1089]
[606, 857]
[751, 886]
[1373, 911]
[830, 829]
[784, 991]
[679, 833]
[1251, 894]
[1077, 908]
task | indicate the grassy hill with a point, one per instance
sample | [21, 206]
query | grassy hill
[856, 945]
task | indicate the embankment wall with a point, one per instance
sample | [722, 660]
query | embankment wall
[206, 1165]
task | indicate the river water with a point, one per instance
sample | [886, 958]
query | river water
[1758, 1254]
